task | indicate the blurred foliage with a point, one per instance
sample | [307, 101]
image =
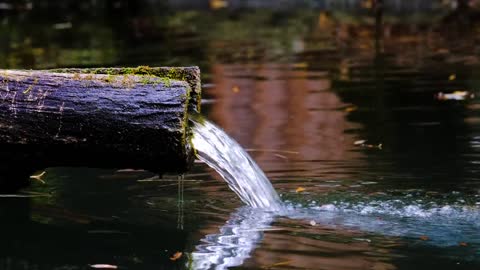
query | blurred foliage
[123, 32]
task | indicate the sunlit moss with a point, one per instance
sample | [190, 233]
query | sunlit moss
[30, 87]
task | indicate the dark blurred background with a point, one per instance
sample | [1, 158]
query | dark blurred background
[43, 34]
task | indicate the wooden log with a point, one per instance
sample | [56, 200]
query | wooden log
[105, 118]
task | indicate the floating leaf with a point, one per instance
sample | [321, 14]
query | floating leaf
[360, 142]
[300, 65]
[364, 144]
[104, 266]
[351, 109]
[300, 189]
[424, 238]
[452, 77]
[455, 95]
[463, 244]
[176, 256]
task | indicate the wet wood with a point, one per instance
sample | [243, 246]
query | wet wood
[106, 118]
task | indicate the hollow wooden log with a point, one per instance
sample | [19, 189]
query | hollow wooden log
[105, 118]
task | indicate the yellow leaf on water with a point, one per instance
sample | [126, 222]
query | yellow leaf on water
[351, 109]
[300, 65]
[300, 189]
[176, 256]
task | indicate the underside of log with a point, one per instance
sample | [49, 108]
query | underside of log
[105, 118]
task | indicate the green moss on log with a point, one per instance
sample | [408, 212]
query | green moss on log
[151, 75]
[154, 75]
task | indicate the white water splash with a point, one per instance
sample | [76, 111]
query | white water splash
[228, 158]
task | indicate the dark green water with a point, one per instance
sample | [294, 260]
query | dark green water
[298, 89]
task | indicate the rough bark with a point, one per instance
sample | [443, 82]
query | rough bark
[106, 118]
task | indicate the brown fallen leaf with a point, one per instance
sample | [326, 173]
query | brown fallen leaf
[300, 189]
[176, 256]
[103, 266]
[424, 238]
[463, 244]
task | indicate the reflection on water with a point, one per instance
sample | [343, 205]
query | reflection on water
[290, 110]
[296, 88]
[235, 240]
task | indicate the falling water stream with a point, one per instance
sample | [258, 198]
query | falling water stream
[243, 231]
[228, 158]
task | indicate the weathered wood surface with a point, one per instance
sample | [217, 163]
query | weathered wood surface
[106, 118]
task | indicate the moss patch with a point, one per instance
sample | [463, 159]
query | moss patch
[30, 87]
[148, 74]
[151, 75]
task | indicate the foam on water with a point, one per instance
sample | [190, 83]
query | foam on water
[228, 158]
[445, 225]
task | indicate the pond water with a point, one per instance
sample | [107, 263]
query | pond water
[375, 168]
